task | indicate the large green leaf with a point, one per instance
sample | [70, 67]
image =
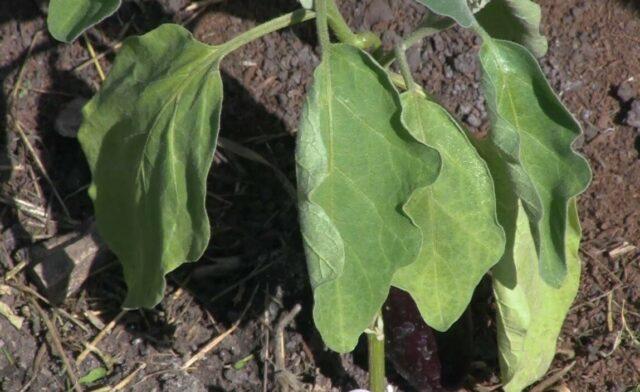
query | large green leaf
[530, 312]
[514, 20]
[357, 166]
[462, 239]
[459, 10]
[149, 136]
[529, 150]
[67, 19]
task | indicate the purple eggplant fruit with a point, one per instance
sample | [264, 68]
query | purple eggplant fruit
[411, 344]
[427, 360]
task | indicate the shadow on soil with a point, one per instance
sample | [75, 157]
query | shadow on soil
[253, 218]
[256, 243]
[632, 4]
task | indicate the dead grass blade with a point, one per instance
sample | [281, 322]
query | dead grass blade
[218, 339]
[57, 345]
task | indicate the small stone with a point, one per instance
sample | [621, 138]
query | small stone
[590, 132]
[437, 43]
[413, 57]
[464, 64]
[473, 120]
[378, 11]
[633, 116]
[625, 91]
[69, 119]
[464, 109]
[603, 121]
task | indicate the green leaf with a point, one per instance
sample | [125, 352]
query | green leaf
[149, 136]
[306, 4]
[240, 364]
[530, 312]
[529, 150]
[514, 20]
[462, 239]
[459, 10]
[68, 19]
[356, 168]
[434, 23]
[93, 375]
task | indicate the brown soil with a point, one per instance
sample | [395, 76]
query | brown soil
[255, 257]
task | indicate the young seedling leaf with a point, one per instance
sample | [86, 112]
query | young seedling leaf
[149, 136]
[459, 10]
[94, 375]
[68, 19]
[462, 239]
[514, 20]
[356, 166]
[529, 149]
[531, 312]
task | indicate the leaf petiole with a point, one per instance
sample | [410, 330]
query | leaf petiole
[401, 58]
[322, 23]
[430, 25]
[287, 20]
[365, 41]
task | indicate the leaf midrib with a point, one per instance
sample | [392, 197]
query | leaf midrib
[523, 131]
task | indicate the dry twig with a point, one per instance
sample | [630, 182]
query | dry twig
[29, 291]
[554, 378]
[127, 380]
[284, 378]
[57, 345]
[17, 85]
[218, 339]
[621, 250]
[93, 344]
[43, 170]
[94, 58]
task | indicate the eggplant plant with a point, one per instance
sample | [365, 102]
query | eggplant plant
[392, 190]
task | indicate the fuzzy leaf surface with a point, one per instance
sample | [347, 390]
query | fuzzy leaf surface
[68, 19]
[356, 167]
[462, 239]
[457, 10]
[149, 136]
[514, 20]
[530, 313]
[529, 150]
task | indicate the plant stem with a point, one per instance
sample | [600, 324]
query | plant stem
[431, 24]
[276, 24]
[366, 40]
[375, 345]
[338, 24]
[401, 58]
[322, 23]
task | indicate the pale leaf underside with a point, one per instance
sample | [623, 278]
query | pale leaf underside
[530, 313]
[530, 148]
[514, 20]
[462, 239]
